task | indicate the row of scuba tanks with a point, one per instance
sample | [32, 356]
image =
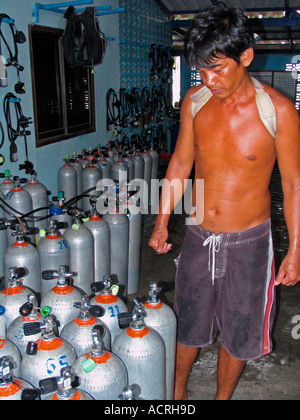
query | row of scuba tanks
[71, 231]
[94, 343]
[63, 323]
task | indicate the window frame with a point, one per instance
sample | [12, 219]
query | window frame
[40, 142]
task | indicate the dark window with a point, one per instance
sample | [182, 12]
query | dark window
[64, 104]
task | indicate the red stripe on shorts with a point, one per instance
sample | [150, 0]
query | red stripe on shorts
[271, 295]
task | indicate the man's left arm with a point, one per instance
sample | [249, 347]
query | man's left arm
[288, 155]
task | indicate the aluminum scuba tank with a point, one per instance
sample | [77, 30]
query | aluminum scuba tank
[105, 167]
[134, 251]
[7, 348]
[62, 297]
[155, 162]
[29, 313]
[147, 170]
[59, 213]
[11, 388]
[101, 235]
[82, 251]
[143, 352]
[119, 246]
[54, 251]
[83, 158]
[139, 165]
[39, 196]
[45, 357]
[163, 319]
[90, 176]
[127, 158]
[3, 237]
[78, 331]
[67, 180]
[102, 374]
[120, 171]
[2, 324]
[14, 295]
[63, 388]
[79, 169]
[106, 296]
[23, 254]
[21, 202]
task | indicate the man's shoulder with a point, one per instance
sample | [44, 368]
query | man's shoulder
[194, 90]
[280, 101]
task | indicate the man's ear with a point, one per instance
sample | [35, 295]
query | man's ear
[247, 57]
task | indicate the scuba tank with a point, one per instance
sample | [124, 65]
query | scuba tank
[143, 352]
[7, 184]
[62, 297]
[62, 388]
[147, 170]
[15, 295]
[134, 252]
[128, 160]
[162, 318]
[7, 348]
[155, 162]
[101, 234]
[23, 254]
[106, 292]
[12, 389]
[59, 213]
[83, 158]
[45, 357]
[2, 324]
[105, 167]
[39, 196]
[119, 244]
[67, 180]
[79, 169]
[29, 313]
[120, 171]
[102, 374]
[90, 176]
[139, 165]
[78, 331]
[155, 169]
[82, 254]
[3, 237]
[21, 203]
[54, 251]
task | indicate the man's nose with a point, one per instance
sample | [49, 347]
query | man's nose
[208, 78]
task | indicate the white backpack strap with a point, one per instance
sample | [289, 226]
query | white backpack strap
[199, 99]
[266, 109]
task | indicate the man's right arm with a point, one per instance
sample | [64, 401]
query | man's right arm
[179, 169]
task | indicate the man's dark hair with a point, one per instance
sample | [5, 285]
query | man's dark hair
[217, 32]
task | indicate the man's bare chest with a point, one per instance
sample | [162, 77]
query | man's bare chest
[241, 138]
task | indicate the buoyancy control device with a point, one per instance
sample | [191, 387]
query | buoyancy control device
[83, 42]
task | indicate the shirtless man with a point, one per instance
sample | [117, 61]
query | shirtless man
[226, 277]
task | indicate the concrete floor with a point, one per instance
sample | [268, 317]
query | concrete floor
[275, 377]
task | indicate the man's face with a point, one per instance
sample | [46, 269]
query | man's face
[223, 76]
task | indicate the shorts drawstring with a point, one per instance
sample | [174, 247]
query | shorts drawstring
[214, 242]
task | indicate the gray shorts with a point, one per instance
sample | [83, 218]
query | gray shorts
[226, 283]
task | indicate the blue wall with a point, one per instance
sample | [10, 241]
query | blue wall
[271, 62]
[48, 159]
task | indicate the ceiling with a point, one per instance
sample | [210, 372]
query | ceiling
[276, 23]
